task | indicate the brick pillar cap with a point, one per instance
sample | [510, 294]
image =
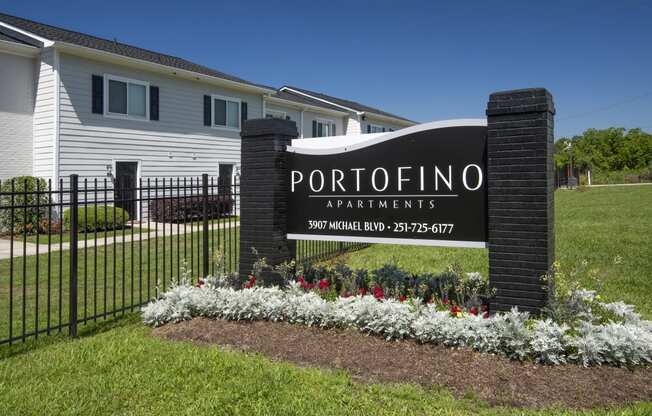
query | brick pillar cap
[528, 100]
[269, 127]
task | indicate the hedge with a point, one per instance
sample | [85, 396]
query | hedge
[24, 194]
[189, 209]
[100, 218]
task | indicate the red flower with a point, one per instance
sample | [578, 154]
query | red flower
[251, 282]
[200, 283]
[484, 308]
[444, 301]
[485, 315]
[362, 291]
[324, 284]
[402, 298]
[456, 310]
[474, 310]
[378, 292]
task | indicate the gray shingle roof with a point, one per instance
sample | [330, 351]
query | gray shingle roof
[349, 104]
[302, 99]
[10, 35]
[56, 34]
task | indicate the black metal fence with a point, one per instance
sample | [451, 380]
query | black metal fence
[82, 250]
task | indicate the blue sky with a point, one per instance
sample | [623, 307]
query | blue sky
[423, 60]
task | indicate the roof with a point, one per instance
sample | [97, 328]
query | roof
[302, 99]
[9, 35]
[57, 34]
[348, 103]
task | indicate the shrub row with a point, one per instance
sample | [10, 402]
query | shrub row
[189, 208]
[23, 193]
[100, 218]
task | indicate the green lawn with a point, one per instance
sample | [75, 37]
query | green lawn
[65, 236]
[595, 225]
[122, 370]
[110, 278]
[117, 368]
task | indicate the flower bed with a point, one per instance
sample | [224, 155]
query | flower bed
[625, 340]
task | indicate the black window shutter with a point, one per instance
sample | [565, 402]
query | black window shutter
[383, 129]
[207, 110]
[98, 94]
[368, 128]
[333, 133]
[243, 113]
[314, 128]
[153, 103]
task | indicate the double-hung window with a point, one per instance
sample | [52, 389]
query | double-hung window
[226, 112]
[323, 128]
[276, 114]
[373, 128]
[126, 98]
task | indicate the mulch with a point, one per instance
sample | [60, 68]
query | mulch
[494, 379]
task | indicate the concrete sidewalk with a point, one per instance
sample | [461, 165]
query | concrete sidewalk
[169, 229]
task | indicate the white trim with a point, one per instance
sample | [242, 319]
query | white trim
[18, 49]
[107, 113]
[377, 126]
[389, 119]
[343, 144]
[301, 106]
[46, 42]
[387, 240]
[301, 129]
[320, 99]
[57, 101]
[125, 60]
[227, 99]
[226, 162]
[139, 176]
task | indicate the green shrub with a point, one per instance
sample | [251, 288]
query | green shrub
[100, 218]
[24, 194]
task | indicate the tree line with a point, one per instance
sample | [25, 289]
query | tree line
[608, 150]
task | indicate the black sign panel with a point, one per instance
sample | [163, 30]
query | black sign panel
[423, 187]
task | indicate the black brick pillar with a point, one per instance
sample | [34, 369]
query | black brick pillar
[264, 187]
[520, 196]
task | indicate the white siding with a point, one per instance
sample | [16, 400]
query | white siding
[88, 142]
[309, 116]
[352, 125]
[17, 75]
[45, 116]
[376, 122]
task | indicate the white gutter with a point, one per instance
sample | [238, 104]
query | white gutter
[302, 106]
[18, 49]
[46, 42]
[388, 118]
[320, 99]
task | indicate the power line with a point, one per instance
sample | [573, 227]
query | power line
[607, 107]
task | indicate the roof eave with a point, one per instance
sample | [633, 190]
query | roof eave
[295, 104]
[114, 57]
[18, 49]
[352, 110]
[396, 120]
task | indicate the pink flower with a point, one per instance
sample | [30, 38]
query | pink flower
[200, 283]
[484, 308]
[485, 315]
[444, 301]
[474, 310]
[251, 282]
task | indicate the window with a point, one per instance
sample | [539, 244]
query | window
[323, 128]
[127, 98]
[373, 128]
[276, 114]
[226, 112]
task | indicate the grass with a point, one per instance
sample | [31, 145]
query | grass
[610, 228]
[118, 368]
[65, 236]
[110, 278]
[121, 369]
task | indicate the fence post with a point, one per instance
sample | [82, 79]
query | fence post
[74, 229]
[204, 186]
